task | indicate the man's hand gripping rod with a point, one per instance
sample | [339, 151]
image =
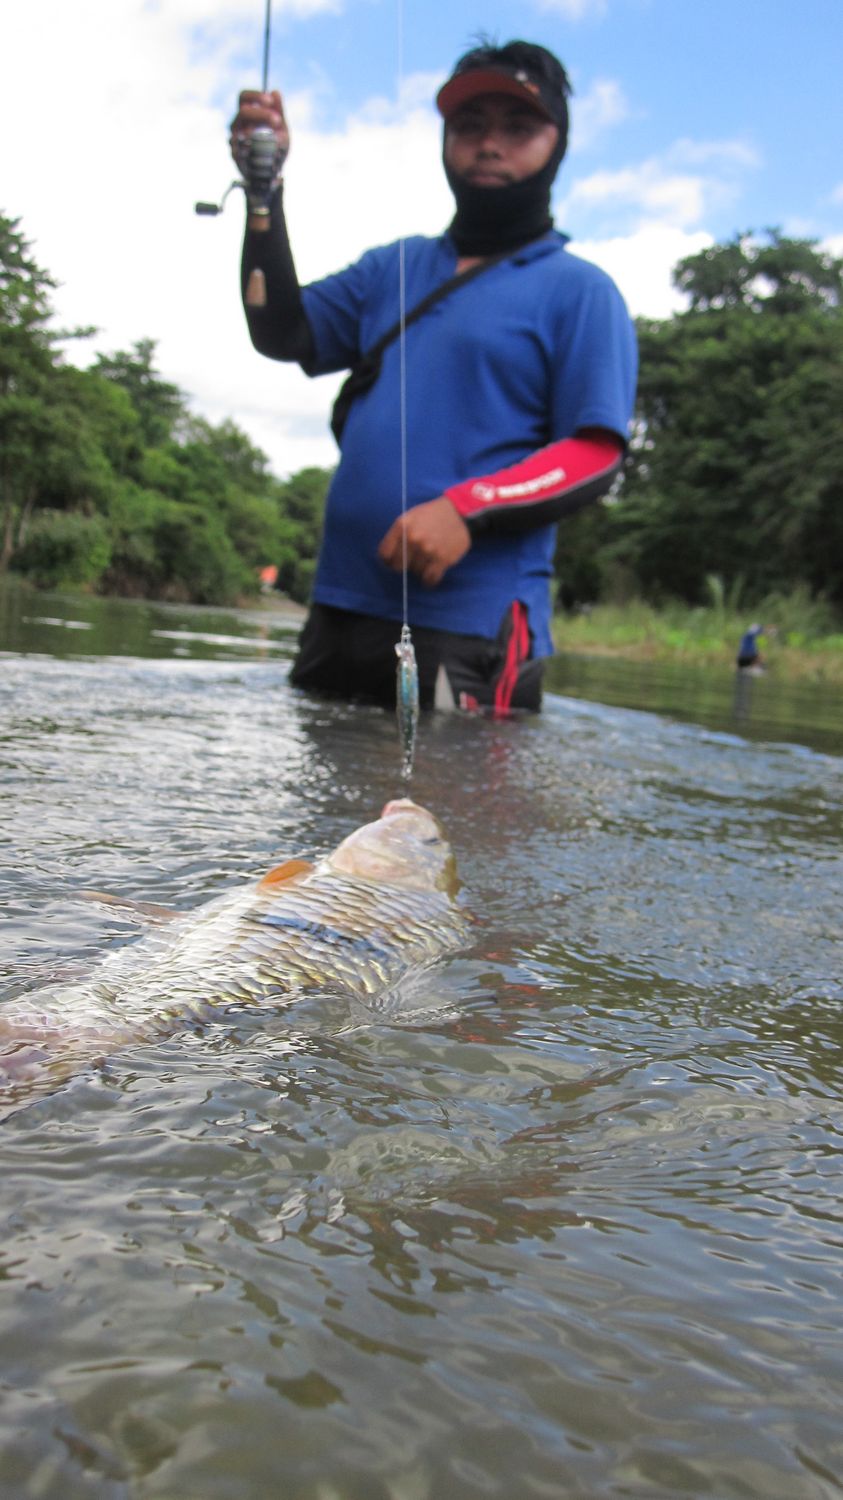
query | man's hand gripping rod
[260, 159]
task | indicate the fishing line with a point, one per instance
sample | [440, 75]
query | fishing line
[266, 30]
[402, 417]
[402, 337]
[407, 677]
[260, 160]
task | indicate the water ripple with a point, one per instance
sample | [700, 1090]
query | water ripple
[561, 1216]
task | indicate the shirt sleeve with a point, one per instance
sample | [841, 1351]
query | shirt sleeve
[593, 359]
[544, 487]
[336, 308]
[592, 366]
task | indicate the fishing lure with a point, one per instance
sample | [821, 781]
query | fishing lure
[407, 699]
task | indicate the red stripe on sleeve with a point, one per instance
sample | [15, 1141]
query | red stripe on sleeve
[551, 482]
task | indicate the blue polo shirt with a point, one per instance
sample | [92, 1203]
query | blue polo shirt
[539, 345]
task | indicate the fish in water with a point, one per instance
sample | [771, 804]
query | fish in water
[353, 924]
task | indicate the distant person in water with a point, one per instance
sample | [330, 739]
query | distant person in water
[749, 650]
[515, 410]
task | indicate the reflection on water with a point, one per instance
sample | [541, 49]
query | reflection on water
[66, 625]
[562, 1217]
[759, 707]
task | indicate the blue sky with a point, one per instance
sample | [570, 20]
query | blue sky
[764, 74]
[691, 120]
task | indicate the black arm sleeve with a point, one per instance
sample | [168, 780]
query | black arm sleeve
[279, 330]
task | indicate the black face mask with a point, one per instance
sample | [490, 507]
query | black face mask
[494, 219]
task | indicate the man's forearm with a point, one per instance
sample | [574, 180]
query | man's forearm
[279, 329]
[550, 484]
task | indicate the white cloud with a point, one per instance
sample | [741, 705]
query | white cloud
[603, 107]
[663, 189]
[836, 195]
[641, 264]
[376, 178]
[648, 189]
[833, 243]
[104, 180]
[724, 154]
[574, 10]
[798, 228]
[104, 177]
[221, 13]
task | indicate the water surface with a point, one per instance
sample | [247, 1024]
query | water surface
[561, 1218]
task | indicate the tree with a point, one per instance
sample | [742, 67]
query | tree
[27, 360]
[58, 428]
[738, 444]
[64, 548]
[785, 275]
[301, 501]
[158, 404]
[106, 480]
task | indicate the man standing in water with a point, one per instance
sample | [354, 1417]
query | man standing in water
[519, 390]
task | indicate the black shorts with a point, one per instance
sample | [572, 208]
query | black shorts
[350, 655]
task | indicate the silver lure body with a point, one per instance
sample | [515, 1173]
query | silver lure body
[407, 699]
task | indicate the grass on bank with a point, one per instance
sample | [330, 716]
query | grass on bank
[805, 642]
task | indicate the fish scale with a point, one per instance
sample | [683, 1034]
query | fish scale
[268, 943]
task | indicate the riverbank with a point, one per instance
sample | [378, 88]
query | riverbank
[274, 603]
[696, 637]
[805, 644]
[806, 648]
[804, 641]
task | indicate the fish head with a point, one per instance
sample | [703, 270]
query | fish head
[405, 846]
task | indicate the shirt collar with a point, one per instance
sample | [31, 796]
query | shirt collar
[549, 243]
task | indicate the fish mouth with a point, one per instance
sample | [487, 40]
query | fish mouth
[399, 805]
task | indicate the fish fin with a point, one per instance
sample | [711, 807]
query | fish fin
[290, 870]
[145, 910]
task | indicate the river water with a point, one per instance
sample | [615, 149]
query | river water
[564, 1219]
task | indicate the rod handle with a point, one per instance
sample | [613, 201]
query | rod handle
[256, 289]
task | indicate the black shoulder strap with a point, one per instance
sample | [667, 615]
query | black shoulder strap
[461, 278]
[364, 374]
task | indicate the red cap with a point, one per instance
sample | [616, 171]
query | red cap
[501, 79]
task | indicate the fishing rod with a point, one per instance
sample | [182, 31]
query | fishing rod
[260, 159]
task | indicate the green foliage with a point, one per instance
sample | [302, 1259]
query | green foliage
[27, 360]
[106, 412]
[63, 548]
[799, 616]
[804, 637]
[195, 557]
[157, 403]
[24, 286]
[165, 550]
[301, 501]
[108, 482]
[581, 564]
[782, 276]
[736, 464]
[732, 496]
